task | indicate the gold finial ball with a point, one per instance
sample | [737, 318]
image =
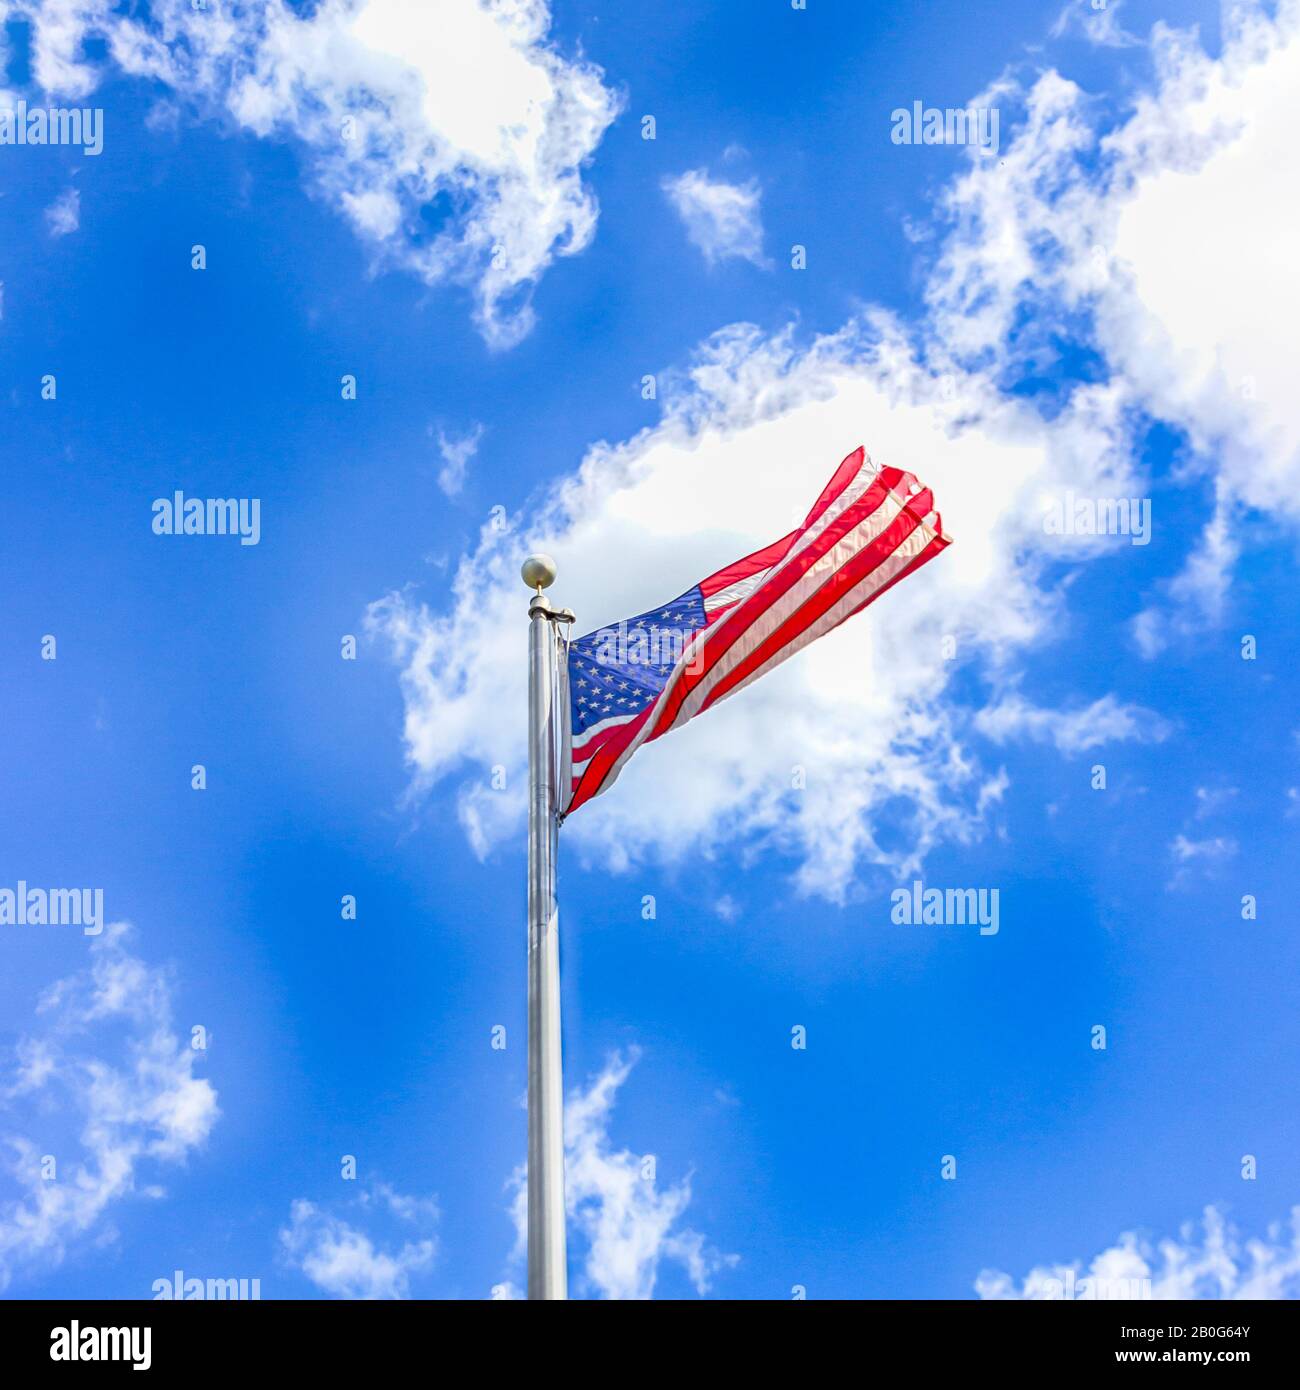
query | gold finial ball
[538, 571]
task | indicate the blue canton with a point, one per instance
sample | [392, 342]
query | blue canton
[615, 672]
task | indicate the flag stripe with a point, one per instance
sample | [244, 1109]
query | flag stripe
[846, 475]
[843, 568]
[837, 521]
[752, 565]
[716, 585]
[921, 545]
[834, 513]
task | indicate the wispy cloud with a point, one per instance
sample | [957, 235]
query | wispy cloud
[1212, 850]
[722, 219]
[728, 908]
[1211, 800]
[328, 1244]
[1213, 1262]
[1107, 720]
[63, 216]
[1198, 858]
[1098, 23]
[456, 455]
[107, 1076]
[626, 1225]
[1197, 595]
[389, 116]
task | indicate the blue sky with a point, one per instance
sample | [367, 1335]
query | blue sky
[1096, 307]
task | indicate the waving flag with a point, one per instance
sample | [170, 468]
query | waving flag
[633, 682]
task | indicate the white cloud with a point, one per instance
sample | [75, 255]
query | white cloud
[751, 433]
[1213, 1263]
[466, 111]
[346, 1261]
[1068, 233]
[1216, 848]
[1211, 800]
[63, 216]
[624, 1223]
[1165, 242]
[728, 908]
[456, 454]
[1195, 858]
[1196, 596]
[1098, 23]
[722, 219]
[1106, 720]
[109, 1078]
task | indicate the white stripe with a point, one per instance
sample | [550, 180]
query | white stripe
[683, 662]
[822, 571]
[580, 755]
[926, 531]
[733, 593]
[868, 585]
[849, 494]
[852, 492]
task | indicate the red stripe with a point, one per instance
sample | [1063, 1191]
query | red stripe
[753, 564]
[927, 554]
[773, 554]
[582, 751]
[748, 610]
[595, 772]
[851, 573]
[841, 478]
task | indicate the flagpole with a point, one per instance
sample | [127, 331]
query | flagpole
[547, 1268]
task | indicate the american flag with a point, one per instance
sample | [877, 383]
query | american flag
[633, 682]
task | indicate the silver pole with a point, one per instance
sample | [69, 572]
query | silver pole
[547, 1267]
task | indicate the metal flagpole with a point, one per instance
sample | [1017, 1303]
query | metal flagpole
[547, 1268]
